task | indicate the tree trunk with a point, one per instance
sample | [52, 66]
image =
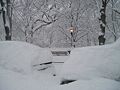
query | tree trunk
[103, 21]
[6, 20]
[9, 13]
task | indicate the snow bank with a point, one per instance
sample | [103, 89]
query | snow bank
[94, 84]
[92, 62]
[21, 56]
[10, 80]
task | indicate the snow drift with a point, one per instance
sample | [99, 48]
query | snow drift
[10, 80]
[93, 84]
[21, 56]
[92, 62]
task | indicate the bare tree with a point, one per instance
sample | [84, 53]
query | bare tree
[75, 15]
[33, 16]
[46, 22]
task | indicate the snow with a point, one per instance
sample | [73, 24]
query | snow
[59, 60]
[17, 72]
[100, 33]
[92, 62]
[59, 65]
[10, 80]
[94, 84]
[21, 56]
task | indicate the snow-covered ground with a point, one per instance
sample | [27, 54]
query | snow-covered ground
[91, 62]
[10, 80]
[23, 57]
[59, 61]
[93, 84]
[17, 71]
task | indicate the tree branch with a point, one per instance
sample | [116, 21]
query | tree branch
[116, 11]
[64, 32]
[81, 37]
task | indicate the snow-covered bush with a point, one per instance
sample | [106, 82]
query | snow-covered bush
[92, 62]
[23, 57]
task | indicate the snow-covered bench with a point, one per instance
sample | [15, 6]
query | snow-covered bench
[60, 53]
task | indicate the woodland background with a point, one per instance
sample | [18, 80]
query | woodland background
[47, 23]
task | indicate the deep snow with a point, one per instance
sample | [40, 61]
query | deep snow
[23, 57]
[10, 80]
[92, 62]
[17, 72]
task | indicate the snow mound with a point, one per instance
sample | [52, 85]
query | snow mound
[21, 56]
[10, 80]
[93, 84]
[92, 62]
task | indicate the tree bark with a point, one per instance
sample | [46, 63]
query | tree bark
[6, 20]
[103, 20]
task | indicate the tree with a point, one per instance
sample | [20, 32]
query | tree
[78, 14]
[6, 15]
[115, 25]
[47, 22]
[102, 20]
[32, 16]
[109, 21]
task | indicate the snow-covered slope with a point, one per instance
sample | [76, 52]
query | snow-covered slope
[21, 56]
[93, 84]
[10, 80]
[92, 62]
